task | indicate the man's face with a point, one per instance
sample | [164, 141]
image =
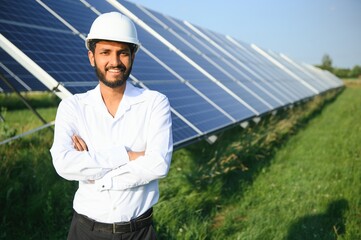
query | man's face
[112, 61]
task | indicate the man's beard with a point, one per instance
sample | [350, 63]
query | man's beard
[112, 84]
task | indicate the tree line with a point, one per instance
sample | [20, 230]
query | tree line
[326, 64]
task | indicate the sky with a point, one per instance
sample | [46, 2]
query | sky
[304, 30]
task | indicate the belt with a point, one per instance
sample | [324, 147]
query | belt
[142, 221]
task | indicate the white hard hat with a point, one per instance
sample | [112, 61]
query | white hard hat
[113, 26]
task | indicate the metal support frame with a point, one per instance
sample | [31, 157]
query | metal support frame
[2, 77]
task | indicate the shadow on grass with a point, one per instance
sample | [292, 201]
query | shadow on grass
[327, 226]
[239, 155]
[218, 174]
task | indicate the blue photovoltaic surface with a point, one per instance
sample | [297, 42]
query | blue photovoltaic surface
[289, 84]
[187, 71]
[18, 76]
[192, 107]
[209, 61]
[241, 83]
[254, 74]
[325, 76]
[266, 73]
[48, 42]
[278, 77]
[315, 83]
[189, 104]
[182, 132]
[184, 69]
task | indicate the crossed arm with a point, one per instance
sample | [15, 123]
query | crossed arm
[111, 165]
[80, 145]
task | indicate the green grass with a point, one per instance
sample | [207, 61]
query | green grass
[295, 175]
[311, 188]
[12, 101]
[12, 126]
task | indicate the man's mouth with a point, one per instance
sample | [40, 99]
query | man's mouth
[115, 70]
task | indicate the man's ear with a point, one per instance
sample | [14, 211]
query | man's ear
[91, 58]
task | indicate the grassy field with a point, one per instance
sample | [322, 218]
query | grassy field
[312, 186]
[294, 175]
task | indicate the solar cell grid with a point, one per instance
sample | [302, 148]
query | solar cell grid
[247, 76]
[74, 12]
[321, 85]
[19, 77]
[209, 87]
[51, 45]
[301, 77]
[216, 66]
[267, 69]
[296, 68]
[212, 63]
[178, 65]
[182, 132]
[191, 74]
[204, 116]
[246, 69]
[27, 13]
[325, 76]
[182, 98]
[286, 83]
[234, 72]
[294, 86]
[314, 85]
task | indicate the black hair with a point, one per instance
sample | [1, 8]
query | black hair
[93, 42]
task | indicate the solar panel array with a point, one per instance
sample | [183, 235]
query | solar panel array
[213, 81]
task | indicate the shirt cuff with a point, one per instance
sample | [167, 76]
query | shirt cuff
[117, 157]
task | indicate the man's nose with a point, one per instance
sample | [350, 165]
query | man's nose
[115, 60]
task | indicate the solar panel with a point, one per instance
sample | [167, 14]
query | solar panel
[190, 70]
[18, 76]
[270, 68]
[207, 59]
[148, 70]
[47, 41]
[242, 77]
[212, 81]
[254, 73]
[315, 82]
[325, 76]
[272, 73]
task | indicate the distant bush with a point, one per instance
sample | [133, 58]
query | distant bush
[326, 64]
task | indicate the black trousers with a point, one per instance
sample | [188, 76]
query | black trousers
[80, 231]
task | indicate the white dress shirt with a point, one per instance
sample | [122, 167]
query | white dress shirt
[112, 188]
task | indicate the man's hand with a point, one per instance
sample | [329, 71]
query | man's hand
[135, 155]
[79, 143]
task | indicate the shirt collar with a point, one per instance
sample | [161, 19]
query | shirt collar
[132, 95]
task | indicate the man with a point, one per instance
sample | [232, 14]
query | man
[115, 139]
